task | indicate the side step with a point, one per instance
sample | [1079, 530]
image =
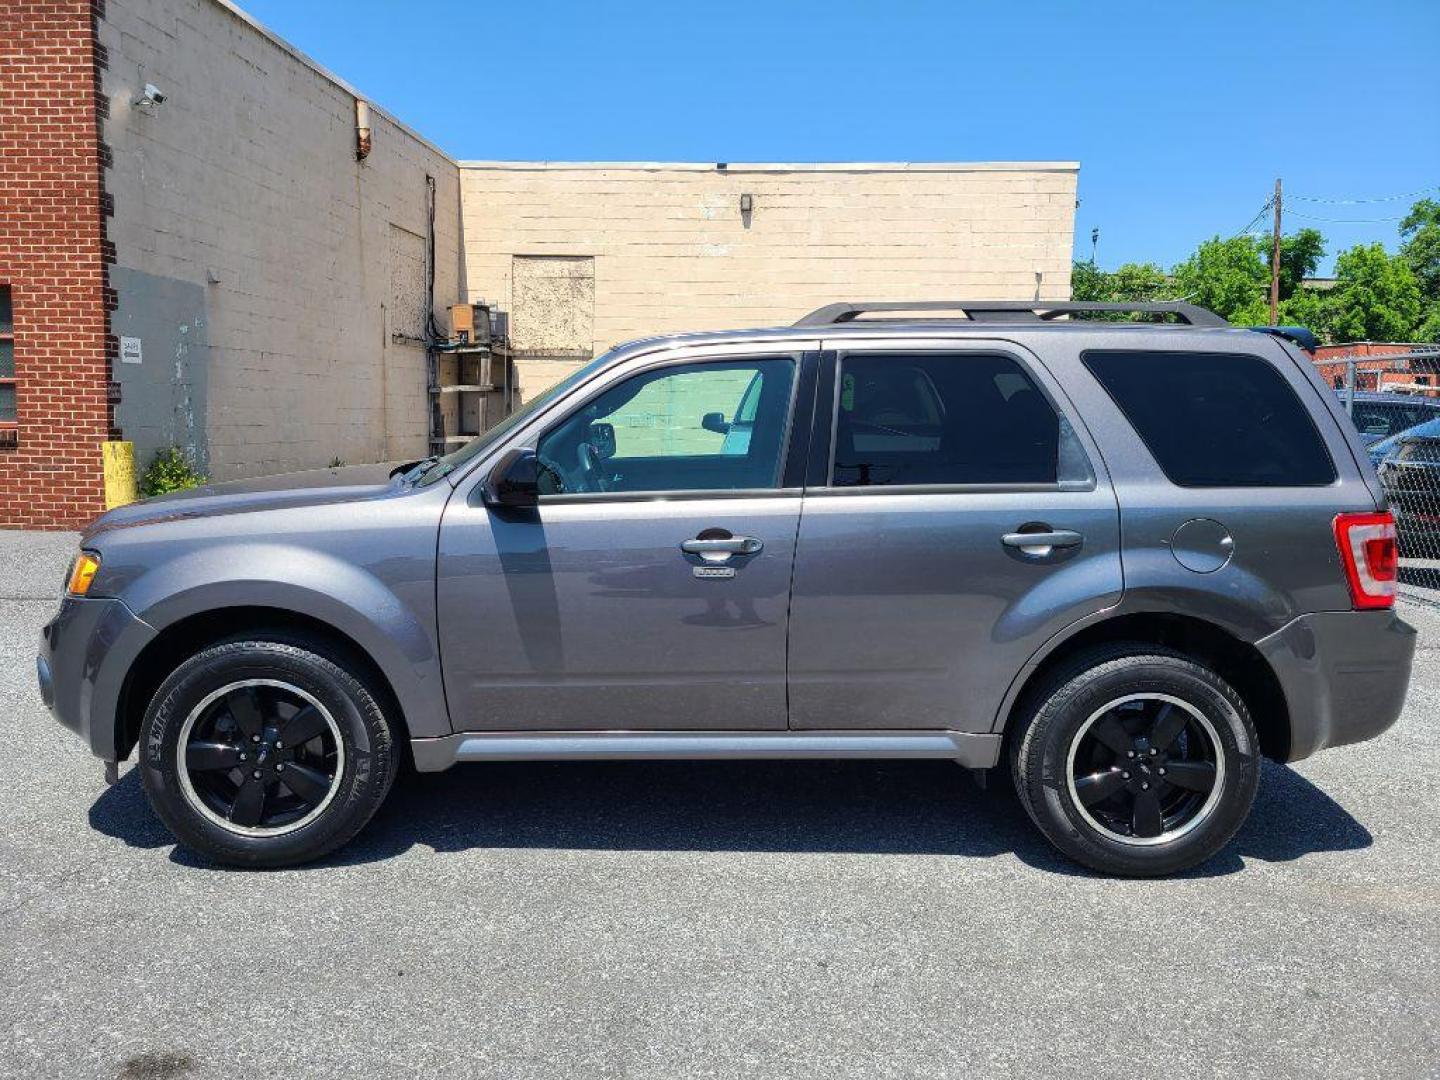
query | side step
[974, 751]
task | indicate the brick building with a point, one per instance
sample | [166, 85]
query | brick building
[207, 240]
[1378, 364]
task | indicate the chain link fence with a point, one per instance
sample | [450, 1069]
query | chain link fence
[1395, 404]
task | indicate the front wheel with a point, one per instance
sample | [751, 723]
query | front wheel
[1137, 761]
[265, 752]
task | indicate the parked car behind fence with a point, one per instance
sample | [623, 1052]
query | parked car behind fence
[1409, 469]
[1380, 416]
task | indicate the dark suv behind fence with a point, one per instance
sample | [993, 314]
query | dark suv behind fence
[1123, 561]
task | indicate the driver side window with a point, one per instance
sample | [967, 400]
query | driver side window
[688, 427]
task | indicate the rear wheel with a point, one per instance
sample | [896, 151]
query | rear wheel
[1138, 761]
[265, 752]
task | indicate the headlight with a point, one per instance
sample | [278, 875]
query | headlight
[82, 573]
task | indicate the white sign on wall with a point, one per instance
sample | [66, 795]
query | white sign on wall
[130, 350]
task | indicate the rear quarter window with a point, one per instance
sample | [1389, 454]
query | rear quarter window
[1216, 419]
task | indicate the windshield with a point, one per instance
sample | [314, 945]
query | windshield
[478, 445]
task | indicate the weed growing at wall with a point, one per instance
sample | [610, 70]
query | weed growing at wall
[170, 470]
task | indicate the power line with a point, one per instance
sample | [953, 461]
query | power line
[1359, 202]
[1344, 221]
[1255, 220]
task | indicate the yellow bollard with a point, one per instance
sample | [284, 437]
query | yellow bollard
[119, 460]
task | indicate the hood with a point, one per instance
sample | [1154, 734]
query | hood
[350, 483]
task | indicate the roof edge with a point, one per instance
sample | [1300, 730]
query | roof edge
[776, 166]
[326, 74]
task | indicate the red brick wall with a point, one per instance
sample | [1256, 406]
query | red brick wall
[54, 256]
[1370, 362]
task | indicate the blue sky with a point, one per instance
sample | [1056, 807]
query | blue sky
[1181, 114]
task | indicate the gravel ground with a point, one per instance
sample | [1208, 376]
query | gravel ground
[718, 920]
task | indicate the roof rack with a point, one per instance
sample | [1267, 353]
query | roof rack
[1298, 334]
[1002, 311]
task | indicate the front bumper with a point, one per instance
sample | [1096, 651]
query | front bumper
[86, 650]
[1344, 674]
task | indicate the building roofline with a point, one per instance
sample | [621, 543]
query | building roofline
[775, 166]
[646, 166]
[285, 46]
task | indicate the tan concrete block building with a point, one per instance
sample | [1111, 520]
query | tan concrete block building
[587, 255]
[209, 241]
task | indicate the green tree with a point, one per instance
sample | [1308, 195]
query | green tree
[1308, 308]
[1300, 254]
[1088, 281]
[1132, 281]
[1376, 297]
[1420, 231]
[1228, 277]
[1429, 328]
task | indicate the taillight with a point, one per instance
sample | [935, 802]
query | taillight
[1371, 557]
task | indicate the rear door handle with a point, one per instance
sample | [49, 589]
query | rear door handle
[721, 548]
[1041, 543]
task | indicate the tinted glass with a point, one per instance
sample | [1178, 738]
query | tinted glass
[7, 359]
[1385, 418]
[691, 427]
[7, 317]
[7, 403]
[1216, 419]
[942, 419]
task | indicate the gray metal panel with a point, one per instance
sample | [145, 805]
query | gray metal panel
[971, 750]
[588, 615]
[340, 545]
[164, 399]
[1285, 561]
[908, 611]
[1344, 674]
[584, 612]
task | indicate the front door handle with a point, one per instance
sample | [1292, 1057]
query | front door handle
[1041, 544]
[718, 549]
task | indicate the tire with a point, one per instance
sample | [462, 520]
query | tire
[232, 703]
[1098, 790]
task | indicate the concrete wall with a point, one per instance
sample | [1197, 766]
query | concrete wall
[587, 256]
[276, 283]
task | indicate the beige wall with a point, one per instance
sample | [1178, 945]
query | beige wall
[671, 250]
[266, 270]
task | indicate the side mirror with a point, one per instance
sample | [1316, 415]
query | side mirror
[715, 421]
[514, 481]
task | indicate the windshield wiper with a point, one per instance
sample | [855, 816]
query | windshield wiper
[404, 470]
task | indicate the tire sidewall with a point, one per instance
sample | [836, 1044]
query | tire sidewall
[368, 750]
[1061, 717]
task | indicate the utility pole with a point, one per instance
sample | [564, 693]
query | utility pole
[1275, 262]
[1094, 243]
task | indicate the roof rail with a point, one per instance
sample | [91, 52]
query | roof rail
[1298, 334]
[1012, 310]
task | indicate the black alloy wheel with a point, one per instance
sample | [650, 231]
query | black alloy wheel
[1145, 768]
[260, 757]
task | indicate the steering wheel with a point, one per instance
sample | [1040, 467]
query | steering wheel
[552, 470]
[592, 473]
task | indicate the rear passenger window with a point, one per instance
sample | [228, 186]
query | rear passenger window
[929, 418]
[1216, 419]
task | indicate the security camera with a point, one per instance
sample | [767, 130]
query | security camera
[151, 96]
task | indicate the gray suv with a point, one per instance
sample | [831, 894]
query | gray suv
[1123, 560]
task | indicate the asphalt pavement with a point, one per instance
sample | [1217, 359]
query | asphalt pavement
[669, 920]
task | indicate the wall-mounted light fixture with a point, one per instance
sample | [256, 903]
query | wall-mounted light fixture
[362, 129]
[747, 204]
